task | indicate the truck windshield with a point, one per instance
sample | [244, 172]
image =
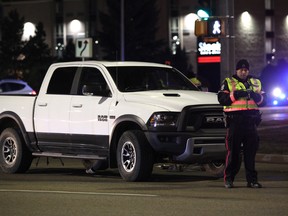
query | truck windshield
[132, 79]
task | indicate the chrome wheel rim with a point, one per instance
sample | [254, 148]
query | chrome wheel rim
[218, 164]
[10, 150]
[128, 156]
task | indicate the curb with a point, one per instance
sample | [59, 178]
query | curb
[272, 158]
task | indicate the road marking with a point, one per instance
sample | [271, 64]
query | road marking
[81, 193]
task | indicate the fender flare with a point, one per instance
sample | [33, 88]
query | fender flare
[131, 118]
[8, 115]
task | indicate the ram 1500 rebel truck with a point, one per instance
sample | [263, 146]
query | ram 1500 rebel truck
[125, 115]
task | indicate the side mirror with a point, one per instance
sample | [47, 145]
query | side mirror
[95, 90]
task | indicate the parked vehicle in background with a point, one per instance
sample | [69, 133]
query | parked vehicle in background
[15, 86]
[129, 115]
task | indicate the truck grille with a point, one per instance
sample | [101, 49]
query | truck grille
[194, 118]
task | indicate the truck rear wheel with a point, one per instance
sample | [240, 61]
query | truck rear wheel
[135, 157]
[14, 155]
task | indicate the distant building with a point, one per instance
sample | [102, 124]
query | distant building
[260, 28]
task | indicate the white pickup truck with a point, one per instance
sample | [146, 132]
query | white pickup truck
[129, 115]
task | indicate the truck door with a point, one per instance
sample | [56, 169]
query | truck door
[52, 111]
[89, 114]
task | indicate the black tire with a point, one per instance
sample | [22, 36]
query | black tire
[135, 157]
[216, 168]
[14, 155]
[95, 164]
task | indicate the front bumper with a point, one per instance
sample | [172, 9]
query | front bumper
[188, 148]
[202, 153]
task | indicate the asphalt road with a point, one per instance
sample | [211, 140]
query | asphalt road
[55, 189]
[273, 131]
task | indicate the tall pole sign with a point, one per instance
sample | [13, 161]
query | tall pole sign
[209, 50]
[221, 27]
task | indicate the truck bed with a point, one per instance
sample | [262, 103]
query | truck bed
[19, 106]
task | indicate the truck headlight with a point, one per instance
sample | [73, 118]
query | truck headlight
[163, 119]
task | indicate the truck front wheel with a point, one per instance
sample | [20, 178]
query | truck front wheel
[135, 157]
[216, 168]
[14, 155]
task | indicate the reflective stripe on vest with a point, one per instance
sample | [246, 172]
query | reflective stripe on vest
[242, 103]
[255, 84]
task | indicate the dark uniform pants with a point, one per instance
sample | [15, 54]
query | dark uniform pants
[241, 135]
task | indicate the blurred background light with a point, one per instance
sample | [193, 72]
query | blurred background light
[28, 31]
[246, 21]
[189, 21]
[75, 26]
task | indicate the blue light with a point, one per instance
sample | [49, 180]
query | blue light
[282, 96]
[276, 92]
[275, 102]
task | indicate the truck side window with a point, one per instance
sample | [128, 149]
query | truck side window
[61, 81]
[91, 77]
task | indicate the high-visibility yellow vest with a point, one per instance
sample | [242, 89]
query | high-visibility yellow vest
[242, 103]
[195, 81]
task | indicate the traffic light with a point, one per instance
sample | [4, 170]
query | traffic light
[203, 10]
[211, 27]
[202, 14]
[215, 27]
[200, 27]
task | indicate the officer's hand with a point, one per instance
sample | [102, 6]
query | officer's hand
[255, 96]
[240, 94]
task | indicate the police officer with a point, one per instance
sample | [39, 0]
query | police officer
[241, 95]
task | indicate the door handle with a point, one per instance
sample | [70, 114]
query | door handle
[42, 104]
[77, 105]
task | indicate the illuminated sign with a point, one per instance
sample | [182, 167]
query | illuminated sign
[209, 59]
[209, 48]
[209, 51]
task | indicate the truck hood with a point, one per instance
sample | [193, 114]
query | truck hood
[172, 100]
